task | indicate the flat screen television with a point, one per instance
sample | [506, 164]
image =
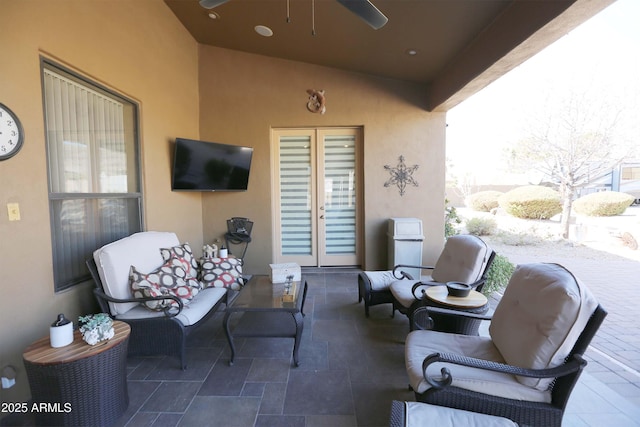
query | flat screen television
[210, 166]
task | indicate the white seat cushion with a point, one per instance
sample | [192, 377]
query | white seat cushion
[401, 290]
[114, 261]
[420, 344]
[189, 315]
[421, 414]
[380, 280]
[538, 320]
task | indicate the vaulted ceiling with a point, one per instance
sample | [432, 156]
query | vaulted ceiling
[458, 46]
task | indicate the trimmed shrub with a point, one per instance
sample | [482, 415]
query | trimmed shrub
[604, 203]
[484, 201]
[531, 202]
[498, 275]
[481, 226]
[451, 218]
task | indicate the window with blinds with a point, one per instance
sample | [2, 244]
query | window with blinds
[93, 163]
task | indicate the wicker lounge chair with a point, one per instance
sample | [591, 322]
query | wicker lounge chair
[527, 368]
[465, 258]
[418, 414]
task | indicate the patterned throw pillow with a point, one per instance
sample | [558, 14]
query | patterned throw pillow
[169, 279]
[181, 255]
[222, 273]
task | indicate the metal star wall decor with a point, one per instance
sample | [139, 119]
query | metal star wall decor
[401, 175]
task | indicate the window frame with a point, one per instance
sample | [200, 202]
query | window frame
[53, 197]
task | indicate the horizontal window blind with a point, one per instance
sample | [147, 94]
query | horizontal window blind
[295, 195]
[340, 194]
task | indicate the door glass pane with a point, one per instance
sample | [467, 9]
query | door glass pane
[295, 195]
[340, 194]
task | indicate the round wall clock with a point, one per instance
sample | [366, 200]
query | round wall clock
[11, 133]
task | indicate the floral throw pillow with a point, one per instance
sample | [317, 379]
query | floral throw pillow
[222, 273]
[168, 279]
[181, 255]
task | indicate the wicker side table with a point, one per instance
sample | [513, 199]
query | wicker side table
[79, 384]
[477, 303]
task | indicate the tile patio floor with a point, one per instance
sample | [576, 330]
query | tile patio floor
[351, 369]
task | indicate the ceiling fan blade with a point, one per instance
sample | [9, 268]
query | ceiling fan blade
[366, 11]
[210, 4]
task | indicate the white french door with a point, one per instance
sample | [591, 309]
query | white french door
[316, 196]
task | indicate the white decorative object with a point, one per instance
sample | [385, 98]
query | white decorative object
[279, 272]
[224, 253]
[96, 328]
[210, 251]
[61, 332]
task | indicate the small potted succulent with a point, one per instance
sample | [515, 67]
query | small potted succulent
[96, 328]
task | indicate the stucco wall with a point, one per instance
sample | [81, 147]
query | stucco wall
[137, 48]
[243, 96]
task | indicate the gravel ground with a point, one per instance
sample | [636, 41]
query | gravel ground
[590, 238]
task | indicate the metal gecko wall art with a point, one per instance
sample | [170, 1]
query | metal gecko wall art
[401, 175]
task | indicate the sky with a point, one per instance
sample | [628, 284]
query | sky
[599, 60]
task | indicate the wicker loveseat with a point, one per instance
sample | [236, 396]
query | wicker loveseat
[160, 332]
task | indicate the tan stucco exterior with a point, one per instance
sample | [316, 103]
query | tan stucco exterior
[138, 48]
[243, 96]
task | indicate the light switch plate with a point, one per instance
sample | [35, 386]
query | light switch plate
[14, 211]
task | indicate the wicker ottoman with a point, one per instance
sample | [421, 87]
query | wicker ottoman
[373, 288]
[79, 385]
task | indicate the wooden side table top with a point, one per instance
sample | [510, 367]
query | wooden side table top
[440, 294]
[41, 352]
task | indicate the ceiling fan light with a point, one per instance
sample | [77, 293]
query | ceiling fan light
[210, 4]
[263, 30]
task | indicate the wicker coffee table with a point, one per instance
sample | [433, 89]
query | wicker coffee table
[267, 310]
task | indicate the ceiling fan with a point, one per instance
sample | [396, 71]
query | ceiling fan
[364, 9]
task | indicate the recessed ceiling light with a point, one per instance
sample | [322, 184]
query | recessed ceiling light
[213, 15]
[411, 52]
[263, 30]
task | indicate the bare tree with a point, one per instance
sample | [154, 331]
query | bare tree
[570, 146]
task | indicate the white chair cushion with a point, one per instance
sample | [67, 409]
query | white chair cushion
[401, 290]
[420, 344]
[189, 315]
[463, 259]
[421, 414]
[114, 261]
[380, 280]
[538, 320]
